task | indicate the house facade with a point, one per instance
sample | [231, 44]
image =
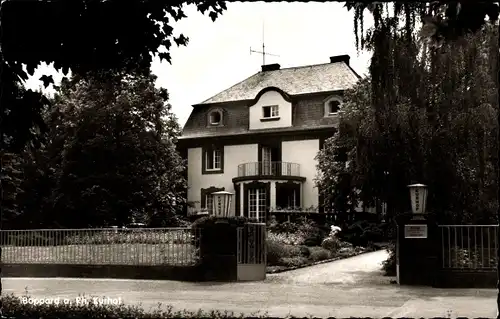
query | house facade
[259, 138]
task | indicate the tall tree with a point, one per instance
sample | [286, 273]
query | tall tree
[80, 36]
[441, 23]
[111, 156]
[433, 121]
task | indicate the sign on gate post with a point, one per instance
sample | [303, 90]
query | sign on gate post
[415, 231]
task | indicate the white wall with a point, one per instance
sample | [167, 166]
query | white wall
[233, 156]
[304, 153]
[270, 98]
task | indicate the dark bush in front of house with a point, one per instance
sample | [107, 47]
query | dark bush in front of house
[218, 235]
[210, 221]
[363, 232]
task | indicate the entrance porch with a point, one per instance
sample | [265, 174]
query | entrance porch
[254, 199]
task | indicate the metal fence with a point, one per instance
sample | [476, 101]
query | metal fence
[105, 246]
[469, 247]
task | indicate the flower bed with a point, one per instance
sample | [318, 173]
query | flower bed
[292, 250]
[278, 269]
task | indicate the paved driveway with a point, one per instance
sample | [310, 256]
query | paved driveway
[349, 287]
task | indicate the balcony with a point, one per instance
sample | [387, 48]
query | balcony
[269, 170]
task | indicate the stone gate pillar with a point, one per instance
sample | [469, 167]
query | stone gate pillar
[417, 249]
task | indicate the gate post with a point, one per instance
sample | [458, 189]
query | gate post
[418, 242]
[218, 252]
[417, 249]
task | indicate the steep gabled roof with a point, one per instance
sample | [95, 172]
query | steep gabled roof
[294, 81]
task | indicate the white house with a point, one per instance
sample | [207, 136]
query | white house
[259, 138]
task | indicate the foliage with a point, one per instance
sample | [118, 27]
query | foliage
[210, 221]
[295, 261]
[389, 265]
[135, 237]
[361, 233]
[319, 254]
[101, 121]
[332, 244]
[13, 307]
[290, 249]
[312, 209]
[285, 238]
[468, 258]
[277, 250]
[101, 238]
[421, 116]
[441, 21]
[285, 227]
[11, 179]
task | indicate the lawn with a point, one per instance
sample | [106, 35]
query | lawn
[104, 254]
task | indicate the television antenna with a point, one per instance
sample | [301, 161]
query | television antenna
[263, 52]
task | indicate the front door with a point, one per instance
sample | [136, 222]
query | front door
[257, 204]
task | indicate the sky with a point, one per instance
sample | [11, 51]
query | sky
[218, 54]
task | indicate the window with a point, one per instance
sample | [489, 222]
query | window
[213, 160]
[257, 204]
[215, 118]
[270, 111]
[333, 107]
[292, 199]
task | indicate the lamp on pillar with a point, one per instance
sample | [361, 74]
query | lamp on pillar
[418, 197]
[222, 203]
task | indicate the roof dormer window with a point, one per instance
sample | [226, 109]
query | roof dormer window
[215, 118]
[333, 106]
[270, 113]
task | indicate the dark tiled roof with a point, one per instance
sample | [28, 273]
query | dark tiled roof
[309, 86]
[293, 81]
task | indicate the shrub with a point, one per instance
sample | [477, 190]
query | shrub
[319, 253]
[208, 221]
[389, 265]
[276, 251]
[14, 307]
[304, 251]
[332, 244]
[294, 261]
[285, 227]
[284, 238]
[362, 232]
[314, 240]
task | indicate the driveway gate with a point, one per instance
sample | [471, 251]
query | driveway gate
[251, 252]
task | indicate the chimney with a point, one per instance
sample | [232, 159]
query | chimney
[340, 58]
[270, 67]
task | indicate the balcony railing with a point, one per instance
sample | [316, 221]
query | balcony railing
[268, 169]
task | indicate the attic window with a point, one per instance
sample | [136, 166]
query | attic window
[270, 111]
[215, 118]
[333, 106]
